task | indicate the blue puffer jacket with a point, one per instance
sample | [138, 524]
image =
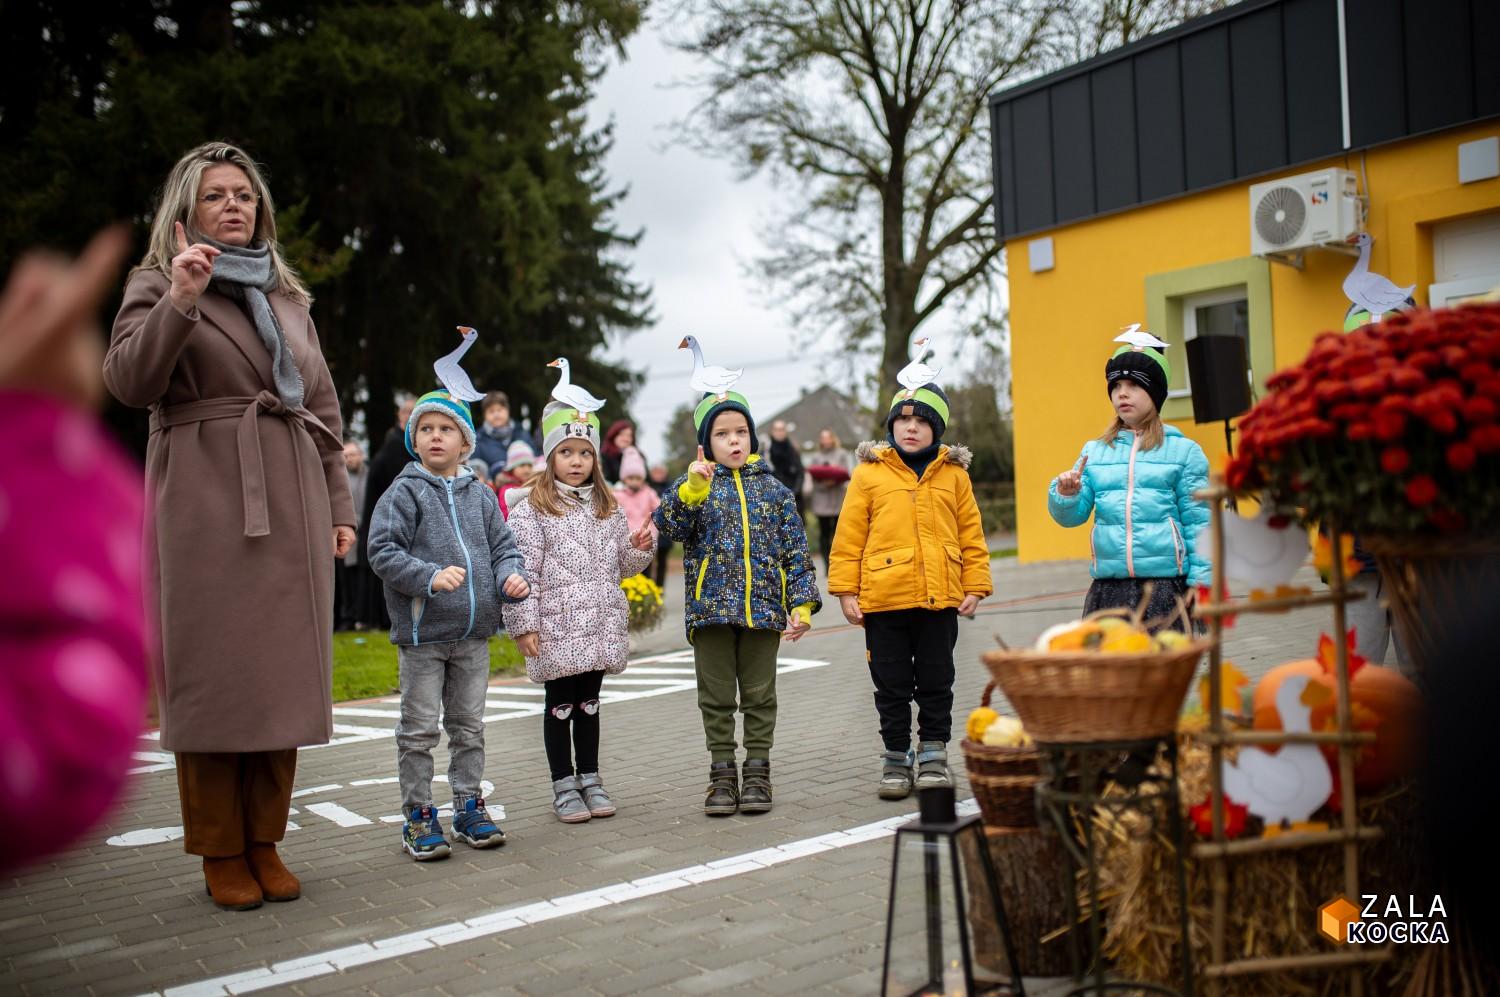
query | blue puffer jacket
[1146, 521]
[744, 558]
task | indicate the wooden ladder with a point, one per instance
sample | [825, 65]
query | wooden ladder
[1348, 835]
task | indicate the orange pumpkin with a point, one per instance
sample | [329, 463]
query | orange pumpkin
[1382, 700]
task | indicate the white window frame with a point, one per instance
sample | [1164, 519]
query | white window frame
[1190, 305]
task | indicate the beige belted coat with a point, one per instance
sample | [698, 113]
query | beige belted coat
[246, 495]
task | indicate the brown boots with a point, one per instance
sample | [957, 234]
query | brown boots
[243, 881]
[276, 881]
[231, 884]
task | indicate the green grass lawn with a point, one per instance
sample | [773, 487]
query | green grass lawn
[365, 664]
[1002, 552]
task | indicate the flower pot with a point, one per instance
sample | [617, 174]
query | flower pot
[1429, 582]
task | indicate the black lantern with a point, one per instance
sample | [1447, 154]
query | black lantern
[943, 890]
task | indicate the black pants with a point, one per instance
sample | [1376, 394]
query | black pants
[911, 659]
[826, 527]
[659, 563]
[572, 700]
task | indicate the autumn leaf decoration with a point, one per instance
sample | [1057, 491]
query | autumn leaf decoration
[1235, 815]
[1231, 680]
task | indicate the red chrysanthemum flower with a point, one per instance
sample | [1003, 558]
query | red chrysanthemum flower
[1394, 460]
[1421, 490]
[1461, 456]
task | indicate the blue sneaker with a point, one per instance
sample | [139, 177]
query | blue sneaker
[422, 836]
[472, 825]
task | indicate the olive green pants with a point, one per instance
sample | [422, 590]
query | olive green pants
[736, 669]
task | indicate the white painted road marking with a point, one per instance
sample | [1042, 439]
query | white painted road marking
[655, 675]
[505, 919]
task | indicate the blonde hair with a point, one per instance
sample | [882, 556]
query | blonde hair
[178, 201]
[1150, 432]
[547, 499]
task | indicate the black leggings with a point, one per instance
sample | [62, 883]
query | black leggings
[827, 525]
[572, 699]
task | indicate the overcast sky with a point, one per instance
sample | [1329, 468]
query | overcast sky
[700, 228]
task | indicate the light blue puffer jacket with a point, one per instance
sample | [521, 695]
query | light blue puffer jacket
[1146, 521]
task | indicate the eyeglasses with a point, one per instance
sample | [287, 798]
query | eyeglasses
[215, 199]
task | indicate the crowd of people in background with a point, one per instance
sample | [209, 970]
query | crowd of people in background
[505, 457]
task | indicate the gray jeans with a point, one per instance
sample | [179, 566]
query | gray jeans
[1373, 628]
[448, 680]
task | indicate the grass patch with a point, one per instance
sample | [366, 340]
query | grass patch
[1003, 552]
[365, 664]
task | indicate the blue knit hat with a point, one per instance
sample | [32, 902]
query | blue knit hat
[441, 401]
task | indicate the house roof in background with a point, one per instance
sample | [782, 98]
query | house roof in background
[822, 407]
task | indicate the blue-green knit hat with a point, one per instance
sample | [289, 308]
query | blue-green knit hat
[441, 401]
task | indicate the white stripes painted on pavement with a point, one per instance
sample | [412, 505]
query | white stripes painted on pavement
[655, 675]
[510, 918]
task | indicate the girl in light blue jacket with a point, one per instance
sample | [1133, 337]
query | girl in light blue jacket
[1138, 480]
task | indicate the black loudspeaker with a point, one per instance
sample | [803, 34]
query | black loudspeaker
[1220, 376]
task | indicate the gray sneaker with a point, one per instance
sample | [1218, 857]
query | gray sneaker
[895, 775]
[932, 765]
[594, 796]
[568, 803]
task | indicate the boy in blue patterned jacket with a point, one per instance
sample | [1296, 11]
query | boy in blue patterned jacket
[748, 578]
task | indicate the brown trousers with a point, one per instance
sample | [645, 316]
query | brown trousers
[230, 799]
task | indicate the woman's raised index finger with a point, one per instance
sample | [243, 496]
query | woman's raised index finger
[182, 243]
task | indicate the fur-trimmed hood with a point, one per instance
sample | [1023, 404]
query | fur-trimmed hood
[869, 452]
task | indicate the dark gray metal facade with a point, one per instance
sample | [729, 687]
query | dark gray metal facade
[1252, 89]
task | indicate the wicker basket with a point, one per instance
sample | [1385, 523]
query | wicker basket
[1003, 779]
[1063, 698]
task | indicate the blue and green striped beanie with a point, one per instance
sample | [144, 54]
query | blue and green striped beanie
[441, 401]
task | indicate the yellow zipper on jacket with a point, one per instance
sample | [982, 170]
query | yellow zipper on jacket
[702, 570]
[745, 532]
[783, 588]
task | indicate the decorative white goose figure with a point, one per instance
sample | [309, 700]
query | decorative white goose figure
[1139, 338]
[915, 374]
[452, 376]
[573, 395]
[1371, 291]
[1291, 784]
[708, 378]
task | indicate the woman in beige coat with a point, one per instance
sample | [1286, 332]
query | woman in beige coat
[246, 471]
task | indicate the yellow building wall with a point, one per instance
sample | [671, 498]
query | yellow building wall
[1063, 321]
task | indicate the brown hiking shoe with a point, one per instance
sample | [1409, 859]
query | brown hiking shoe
[755, 791]
[230, 884]
[276, 881]
[723, 796]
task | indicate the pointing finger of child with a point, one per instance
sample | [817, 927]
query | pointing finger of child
[1083, 463]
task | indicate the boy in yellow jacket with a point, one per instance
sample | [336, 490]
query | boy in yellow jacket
[908, 559]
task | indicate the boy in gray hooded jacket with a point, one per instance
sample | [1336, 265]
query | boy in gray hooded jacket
[438, 542]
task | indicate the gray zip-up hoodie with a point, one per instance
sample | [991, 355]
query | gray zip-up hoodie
[423, 524]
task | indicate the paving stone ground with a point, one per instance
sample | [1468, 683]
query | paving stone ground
[134, 918]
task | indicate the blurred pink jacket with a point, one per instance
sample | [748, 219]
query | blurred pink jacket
[73, 634]
[638, 505]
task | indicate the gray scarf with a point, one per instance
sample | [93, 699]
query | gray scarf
[243, 274]
[582, 494]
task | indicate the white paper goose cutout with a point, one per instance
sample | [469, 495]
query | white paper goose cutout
[709, 378]
[1138, 338]
[452, 376]
[1371, 291]
[915, 374]
[1291, 784]
[573, 395]
[1257, 553]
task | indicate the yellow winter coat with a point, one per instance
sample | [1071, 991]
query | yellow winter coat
[908, 544]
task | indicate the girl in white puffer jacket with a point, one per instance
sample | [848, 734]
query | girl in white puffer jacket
[573, 628]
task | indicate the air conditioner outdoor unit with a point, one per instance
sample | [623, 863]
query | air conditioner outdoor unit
[1310, 209]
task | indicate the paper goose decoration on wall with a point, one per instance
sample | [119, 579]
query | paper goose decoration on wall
[1289, 785]
[573, 395]
[1138, 338]
[1371, 291]
[915, 374]
[709, 378]
[452, 376]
